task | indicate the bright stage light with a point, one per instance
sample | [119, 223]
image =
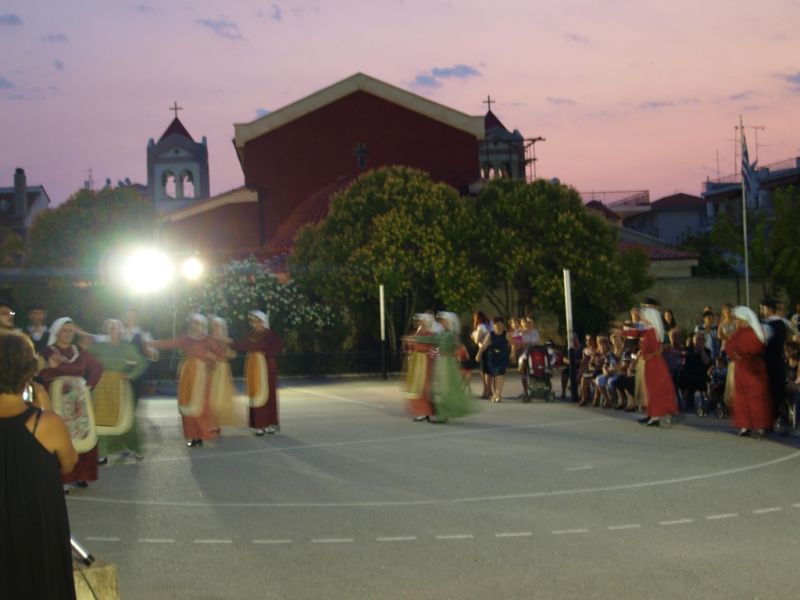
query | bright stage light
[192, 268]
[146, 271]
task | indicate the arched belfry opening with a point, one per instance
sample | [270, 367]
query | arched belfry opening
[177, 167]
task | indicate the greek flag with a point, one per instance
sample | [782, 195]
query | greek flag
[749, 177]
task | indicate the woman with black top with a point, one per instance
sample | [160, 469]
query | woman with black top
[35, 554]
[497, 350]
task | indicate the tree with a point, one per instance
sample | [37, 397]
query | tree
[11, 247]
[531, 232]
[70, 244]
[711, 262]
[245, 285]
[393, 226]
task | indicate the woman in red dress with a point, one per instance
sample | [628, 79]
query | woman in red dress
[752, 408]
[261, 373]
[654, 387]
[69, 376]
[200, 354]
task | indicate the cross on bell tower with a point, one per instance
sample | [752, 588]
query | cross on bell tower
[489, 102]
[176, 108]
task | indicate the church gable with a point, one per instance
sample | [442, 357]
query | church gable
[246, 132]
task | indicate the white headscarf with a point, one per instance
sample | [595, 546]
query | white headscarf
[222, 323]
[426, 320]
[55, 328]
[200, 319]
[746, 314]
[451, 321]
[261, 316]
[652, 317]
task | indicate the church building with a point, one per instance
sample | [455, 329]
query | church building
[298, 157]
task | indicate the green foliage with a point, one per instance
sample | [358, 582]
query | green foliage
[393, 226]
[531, 232]
[773, 250]
[80, 232]
[711, 262]
[11, 247]
[245, 285]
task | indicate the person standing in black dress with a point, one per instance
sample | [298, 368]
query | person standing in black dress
[35, 552]
[497, 351]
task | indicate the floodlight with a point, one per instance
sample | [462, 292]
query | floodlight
[192, 268]
[145, 271]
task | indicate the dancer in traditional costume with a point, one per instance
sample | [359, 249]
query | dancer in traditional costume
[132, 333]
[114, 405]
[200, 353]
[451, 397]
[69, 376]
[421, 351]
[753, 411]
[654, 387]
[262, 345]
[223, 393]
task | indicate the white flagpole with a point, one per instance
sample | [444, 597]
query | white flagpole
[745, 169]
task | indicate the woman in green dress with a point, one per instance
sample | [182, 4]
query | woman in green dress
[114, 405]
[451, 398]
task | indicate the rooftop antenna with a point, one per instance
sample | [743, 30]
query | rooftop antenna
[88, 184]
[755, 128]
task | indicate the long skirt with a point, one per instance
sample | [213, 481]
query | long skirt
[418, 384]
[114, 408]
[224, 405]
[261, 380]
[657, 388]
[71, 398]
[194, 390]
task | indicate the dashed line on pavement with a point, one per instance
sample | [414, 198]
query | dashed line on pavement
[568, 531]
[332, 540]
[213, 541]
[763, 511]
[272, 541]
[586, 468]
[623, 527]
[101, 539]
[722, 516]
[514, 534]
[456, 536]
[676, 522]
[397, 538]
[157, 540]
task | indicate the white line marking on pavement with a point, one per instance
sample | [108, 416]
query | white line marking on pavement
[763, 511]
[398, 538]
[272, 541]
[586, 468]
[332, 540]
[722, 516]
[796, 505]
[445, 501]
[621, 527]
[568, 531]
[157, 541]
[456, 536]
[676, 522]
[332, 397]
[90, 538]
[514, 534]
[213, 541]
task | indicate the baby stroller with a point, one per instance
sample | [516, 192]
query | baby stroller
[538, 374]
[715, 395]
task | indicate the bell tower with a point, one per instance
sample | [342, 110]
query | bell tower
[177, 168]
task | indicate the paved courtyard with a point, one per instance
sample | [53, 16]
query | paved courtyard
[354, 500]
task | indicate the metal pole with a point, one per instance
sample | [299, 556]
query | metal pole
[744, 221]
[383, 332]
[568, 309]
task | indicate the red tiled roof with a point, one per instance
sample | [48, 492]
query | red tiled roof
[659, 252]
[598, 206]
[176, 127]
[310, 211]
[678, 202]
